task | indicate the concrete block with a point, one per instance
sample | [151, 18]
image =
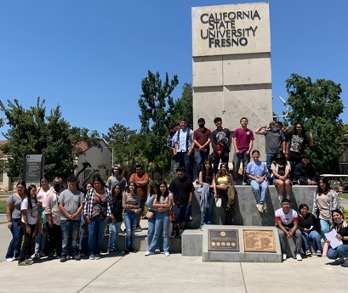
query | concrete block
[191, 243]
[255, 69]
[207, 71]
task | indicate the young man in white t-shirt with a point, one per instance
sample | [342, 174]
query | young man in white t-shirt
[287, 224]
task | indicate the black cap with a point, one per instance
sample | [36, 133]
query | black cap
[180, 169]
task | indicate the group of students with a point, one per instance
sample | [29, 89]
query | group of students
[304, 226]
[68, 223]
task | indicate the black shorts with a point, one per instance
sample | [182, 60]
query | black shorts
[182, 212]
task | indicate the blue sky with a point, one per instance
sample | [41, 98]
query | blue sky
[90, 56]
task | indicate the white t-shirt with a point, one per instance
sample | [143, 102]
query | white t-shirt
[32, 214]
[41, 195]
[286, 219]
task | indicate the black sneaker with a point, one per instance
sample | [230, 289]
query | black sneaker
[173, 234]
[77, 257]
[131, 249]
[126, 251]
[63, 259]
[26, 262]
[337, 262]
[138, 229]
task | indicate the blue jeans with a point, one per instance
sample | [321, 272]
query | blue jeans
[114, 230]
[161, 228]
[269, 160]
[96, 230]
[339, 251]
[40, 242]
[200, 158]
[70, 231]
[150, 230]
[315, 236]
[324, 227]
[204, 218]
[83, 245]
[14, 246]
[130, 220]
[186, 162]
[260, 195]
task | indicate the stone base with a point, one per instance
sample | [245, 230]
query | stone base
[244, 253]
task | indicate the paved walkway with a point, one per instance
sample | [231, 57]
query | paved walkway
[176, 273]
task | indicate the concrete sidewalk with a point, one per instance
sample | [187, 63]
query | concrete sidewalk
[156, 273]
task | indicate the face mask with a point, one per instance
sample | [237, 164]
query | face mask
[201, 125]
[275, 129]
[56, 186]
[339, 221]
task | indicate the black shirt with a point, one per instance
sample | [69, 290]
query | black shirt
[181, 190]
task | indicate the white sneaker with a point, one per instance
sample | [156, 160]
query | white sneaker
[10, 259]
[298, 257]
[284, 257]
[147, 253]
[166, 254]
[91, 257]
[260, 207]
[280, 197]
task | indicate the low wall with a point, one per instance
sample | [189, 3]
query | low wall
[245, 211]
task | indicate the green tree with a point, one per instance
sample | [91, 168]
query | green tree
[318, 106]
[183, 106]
[32, 132]
[119, 138]
[156, 106]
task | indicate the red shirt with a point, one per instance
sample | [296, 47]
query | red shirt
[141, 190]
[201, 137]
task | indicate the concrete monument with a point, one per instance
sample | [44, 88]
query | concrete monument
[231, 60]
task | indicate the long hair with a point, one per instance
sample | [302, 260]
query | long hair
[303, 130]
[281, 155]
[22, 182]
[153, 187]
[159, 194]
[30, 205]
[219, 173]
[113, 190]
[344, 223]
[204, 170]
[327, 184]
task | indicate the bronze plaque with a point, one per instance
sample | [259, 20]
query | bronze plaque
[223, 240]
[259, 240]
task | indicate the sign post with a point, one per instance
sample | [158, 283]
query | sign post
[34, 166]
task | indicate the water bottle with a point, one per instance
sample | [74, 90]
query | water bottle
[325, 249]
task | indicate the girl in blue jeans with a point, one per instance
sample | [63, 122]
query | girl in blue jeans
[131, 205]
[116, 218]
[339, 253]
[13, 213]
[161, 206]
[309, 228]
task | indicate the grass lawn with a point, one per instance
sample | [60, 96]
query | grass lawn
[343, 195]
[3, 204]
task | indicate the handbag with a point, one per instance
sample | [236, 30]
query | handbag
[171, 215]
[218, 202]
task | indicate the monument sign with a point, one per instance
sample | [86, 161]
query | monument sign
[231, 60]
[34, 166]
